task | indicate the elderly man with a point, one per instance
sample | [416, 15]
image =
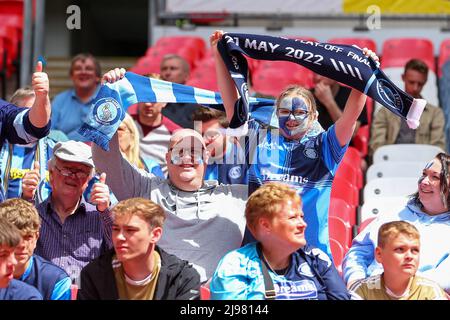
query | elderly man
[70, 235]
[204, 220]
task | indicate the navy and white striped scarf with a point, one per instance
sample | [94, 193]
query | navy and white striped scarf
[346, 64]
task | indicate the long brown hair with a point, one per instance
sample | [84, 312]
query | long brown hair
[444, 159]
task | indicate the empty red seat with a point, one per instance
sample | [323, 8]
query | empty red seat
[338, 253]
[360, 42]
[343, 189]
[341, 231]
[361, 140]
[341, 209]
[350, 173]
[272, 77]
[204, 75]
[353, 157]
[205, 293]
[397, 51]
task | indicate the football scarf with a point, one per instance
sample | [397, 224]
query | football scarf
[343, 63]
[109, 107]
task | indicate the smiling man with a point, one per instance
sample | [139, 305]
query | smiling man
[137, 269]
[71, 107]
[204, 219]
[70, 235]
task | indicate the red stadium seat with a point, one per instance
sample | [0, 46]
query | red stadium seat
[397, 51]
[341, 231]
[444, 55]
[272, 77]
[360, 42]
[350, 173]
[353, 157]
[338, 253]
[73, 292]
[342, 189]
[361, 140]
[204, 75]
[365, 223]
[205, 293]
[340, 208]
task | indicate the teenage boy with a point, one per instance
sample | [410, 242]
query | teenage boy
[398, 250]
[137, 269]
[51, 281]
[11, 289]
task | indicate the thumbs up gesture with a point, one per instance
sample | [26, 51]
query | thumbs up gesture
[30, 182]
[100, 194]
[39, 81]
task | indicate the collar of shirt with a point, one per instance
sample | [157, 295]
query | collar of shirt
[89, 102]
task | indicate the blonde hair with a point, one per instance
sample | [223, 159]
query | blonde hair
[391, 230]
[22, 214]
[133, 152]
[294, 90]
[267, 200]
[151, 212]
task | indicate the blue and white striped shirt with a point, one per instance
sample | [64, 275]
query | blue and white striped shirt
[71, 245]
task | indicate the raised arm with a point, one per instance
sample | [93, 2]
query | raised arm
[346, 124]
[226, 84]
[39, 113]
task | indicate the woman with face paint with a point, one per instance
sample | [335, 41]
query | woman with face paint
[299, 153]
[429, 211]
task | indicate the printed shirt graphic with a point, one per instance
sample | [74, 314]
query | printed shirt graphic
[16, 160]
[307, 165]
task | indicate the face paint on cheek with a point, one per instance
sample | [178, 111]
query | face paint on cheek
[421, 179]
[293, 104]
[428, 165]
[177, 160]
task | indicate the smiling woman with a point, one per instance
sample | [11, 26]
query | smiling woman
[429, 211]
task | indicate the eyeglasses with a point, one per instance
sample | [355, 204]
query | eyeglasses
[297, 113]
[73, 174]
[178, 154]
[211, 135]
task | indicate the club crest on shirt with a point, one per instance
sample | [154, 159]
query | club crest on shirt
[106, 111]
[310, 153]
[235, 172]
[305, 270]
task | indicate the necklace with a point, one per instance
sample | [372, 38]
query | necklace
[280, 272]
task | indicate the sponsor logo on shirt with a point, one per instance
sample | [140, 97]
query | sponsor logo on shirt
[300, 289]
[235, 172]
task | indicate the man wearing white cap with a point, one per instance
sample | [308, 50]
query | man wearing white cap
[204, 220]
[70, 235]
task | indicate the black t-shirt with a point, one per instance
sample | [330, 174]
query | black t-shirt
[341, 99]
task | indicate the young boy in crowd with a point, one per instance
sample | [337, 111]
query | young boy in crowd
[11, 289]
[51, 281]
[398, 250]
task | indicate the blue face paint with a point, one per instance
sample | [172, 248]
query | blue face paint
[293, 108]
[178, 155]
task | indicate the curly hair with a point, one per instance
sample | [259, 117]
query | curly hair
[144, 208]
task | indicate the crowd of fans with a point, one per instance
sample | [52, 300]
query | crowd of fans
[176, 203]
